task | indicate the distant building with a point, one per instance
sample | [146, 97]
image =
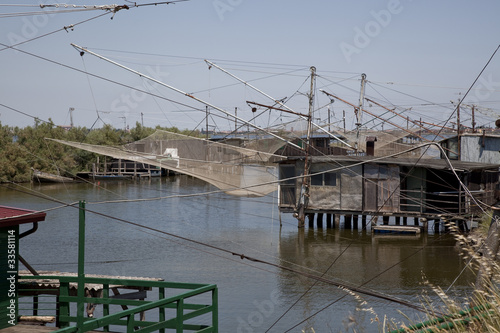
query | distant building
[473, 147]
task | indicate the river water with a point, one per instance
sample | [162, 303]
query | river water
[252, 296]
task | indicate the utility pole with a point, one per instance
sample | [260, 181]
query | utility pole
[343, 118]
[71, 116]
[359, 110]
[124, 122]
[459, 148]
[235, 119]
[206, 122]
[142, 119]
[329, 110]
[473, 119]
[306, 179]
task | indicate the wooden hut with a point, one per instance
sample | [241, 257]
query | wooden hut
[405, 187]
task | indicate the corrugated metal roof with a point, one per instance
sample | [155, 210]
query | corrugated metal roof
[10, 216]
[422, 162]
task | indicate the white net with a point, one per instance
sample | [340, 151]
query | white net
[236, 170]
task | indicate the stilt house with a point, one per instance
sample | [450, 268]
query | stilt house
[362, 185]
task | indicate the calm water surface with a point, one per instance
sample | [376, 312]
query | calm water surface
[252, 296]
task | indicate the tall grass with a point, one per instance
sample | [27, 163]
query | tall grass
[479, 312]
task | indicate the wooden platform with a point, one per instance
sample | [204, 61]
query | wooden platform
[396, 229]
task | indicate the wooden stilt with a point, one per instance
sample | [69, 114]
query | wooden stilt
[405, 220]
[328, 221]
[398, 220]
[425, 224]
[348, 222]
[310, 219]
[319, 220]
[436, 226]
[336, 221]
[355, 224]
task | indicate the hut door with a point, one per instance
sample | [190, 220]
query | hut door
[381, 192]
[287, 186]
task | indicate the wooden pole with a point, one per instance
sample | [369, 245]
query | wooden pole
[81, 268]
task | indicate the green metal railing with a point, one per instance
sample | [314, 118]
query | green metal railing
[178, 313]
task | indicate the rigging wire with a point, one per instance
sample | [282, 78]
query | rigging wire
[92, 94]
[453, 170]
[65, 28]
[96, 76]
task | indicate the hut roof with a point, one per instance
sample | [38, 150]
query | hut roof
[439, 164]
[10, 216]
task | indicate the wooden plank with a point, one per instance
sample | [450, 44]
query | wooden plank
[33, 329]
[37, 319]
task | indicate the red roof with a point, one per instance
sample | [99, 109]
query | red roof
[10, 216]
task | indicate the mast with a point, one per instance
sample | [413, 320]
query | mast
[306, 179]
[185, 94]
[359, 110]
[277, 101]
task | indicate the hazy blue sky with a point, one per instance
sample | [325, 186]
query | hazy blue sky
[416, 54]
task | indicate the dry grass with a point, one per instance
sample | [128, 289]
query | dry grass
[479, 313]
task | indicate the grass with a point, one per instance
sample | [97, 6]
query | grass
[480, 312]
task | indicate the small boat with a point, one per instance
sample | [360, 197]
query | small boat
[45, 177]
[396, 230]
[110, 176]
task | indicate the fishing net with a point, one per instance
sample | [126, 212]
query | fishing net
[225, 164]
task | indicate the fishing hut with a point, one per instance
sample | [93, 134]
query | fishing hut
[41, 301]
[369, 189]
[482, 147]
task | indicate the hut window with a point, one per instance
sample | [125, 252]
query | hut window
[317, 180]
[324, 179]
[330, 179]
[287, 171]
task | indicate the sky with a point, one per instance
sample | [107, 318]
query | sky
[418, 56]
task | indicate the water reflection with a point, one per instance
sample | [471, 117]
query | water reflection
[392, 265]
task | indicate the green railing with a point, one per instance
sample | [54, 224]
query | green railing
[190, 306]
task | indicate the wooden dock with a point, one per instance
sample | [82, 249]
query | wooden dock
[22, 328]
